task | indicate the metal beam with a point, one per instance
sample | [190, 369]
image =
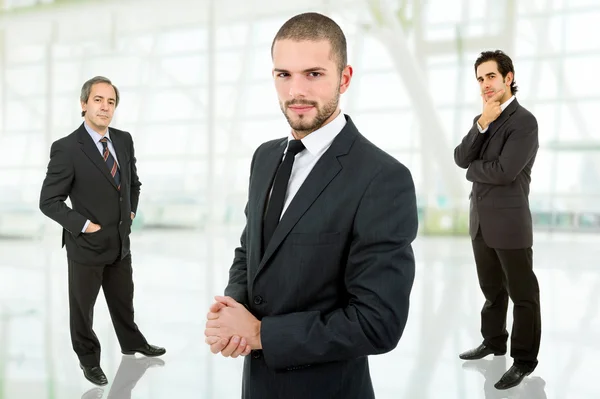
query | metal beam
[157, 13]
[239, 107]
[209, 267]
[433, 137]
[211, 110]
[48, 135]
[440, 47]
[510, 19]
[3, 89]
[573, 145]
[359, 45]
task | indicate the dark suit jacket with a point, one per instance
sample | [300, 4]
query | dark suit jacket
[78, 171]
[333, 285]
[499, 164]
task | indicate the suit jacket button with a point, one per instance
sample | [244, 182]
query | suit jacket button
[256, 354]
[479, 198]
[121, 199]
[258, 300]
[121, 222]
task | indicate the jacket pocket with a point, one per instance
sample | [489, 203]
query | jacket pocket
[509, 202]
[96, 241]
[314, 238]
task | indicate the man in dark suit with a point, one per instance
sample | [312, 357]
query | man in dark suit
[499, 152]
[95, 168]
[325, 268]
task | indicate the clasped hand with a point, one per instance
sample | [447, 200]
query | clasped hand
[231, 329]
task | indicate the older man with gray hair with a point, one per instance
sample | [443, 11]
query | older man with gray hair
[95, 167]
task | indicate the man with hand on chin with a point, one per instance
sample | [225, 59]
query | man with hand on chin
[499, 152]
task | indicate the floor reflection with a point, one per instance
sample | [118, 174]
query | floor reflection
[130, 371]
[176, 275]
[492, 369]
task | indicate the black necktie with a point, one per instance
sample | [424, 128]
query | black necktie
[280, 184]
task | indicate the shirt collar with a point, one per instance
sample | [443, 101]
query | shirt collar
[95, 135]
[507, 103]
[321, 138]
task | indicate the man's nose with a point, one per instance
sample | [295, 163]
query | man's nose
[297, 88]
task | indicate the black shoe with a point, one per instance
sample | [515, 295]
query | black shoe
[147, 350]
[94, 374]
[480, 352]
[513, 377]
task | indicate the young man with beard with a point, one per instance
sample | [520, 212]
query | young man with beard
[325, 268]
[499, 152]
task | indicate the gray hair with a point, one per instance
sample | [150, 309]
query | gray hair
[86, 90]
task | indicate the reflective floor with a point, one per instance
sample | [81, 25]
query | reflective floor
[177, 273]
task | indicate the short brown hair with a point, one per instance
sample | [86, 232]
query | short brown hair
[315, 27]
[86, 90]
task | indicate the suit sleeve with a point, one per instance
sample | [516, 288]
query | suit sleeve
[379, 275]
[468, 150]
[135, 181]
[57, 187]
[520, 147]
[237, 287]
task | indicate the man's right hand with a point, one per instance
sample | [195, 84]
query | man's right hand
[92, 228]
[229, 347]
[491, 109]
[233, 347]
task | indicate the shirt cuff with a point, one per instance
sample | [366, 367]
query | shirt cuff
[481, 130]
[85, 226]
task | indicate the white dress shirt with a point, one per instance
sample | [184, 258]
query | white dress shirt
[316, 144]
[502, 108]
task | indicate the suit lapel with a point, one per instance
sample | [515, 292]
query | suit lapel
[497, 124]
[265, 173]
[91, 151]
[119, 146]
[326, 169]
[322, 174]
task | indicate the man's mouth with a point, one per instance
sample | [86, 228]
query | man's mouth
[300, 109]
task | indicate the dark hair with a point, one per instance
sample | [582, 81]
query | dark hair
[505, 65]
[86, 90]
[315, 27]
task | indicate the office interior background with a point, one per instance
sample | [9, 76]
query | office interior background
[198, 98]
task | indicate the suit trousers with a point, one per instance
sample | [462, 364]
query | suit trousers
[505, 273]
[116, 280]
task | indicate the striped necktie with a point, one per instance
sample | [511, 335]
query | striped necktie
[111, 163]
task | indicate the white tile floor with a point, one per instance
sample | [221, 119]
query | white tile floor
[177, 273]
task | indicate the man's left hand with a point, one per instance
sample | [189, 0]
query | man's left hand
[233, 319]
